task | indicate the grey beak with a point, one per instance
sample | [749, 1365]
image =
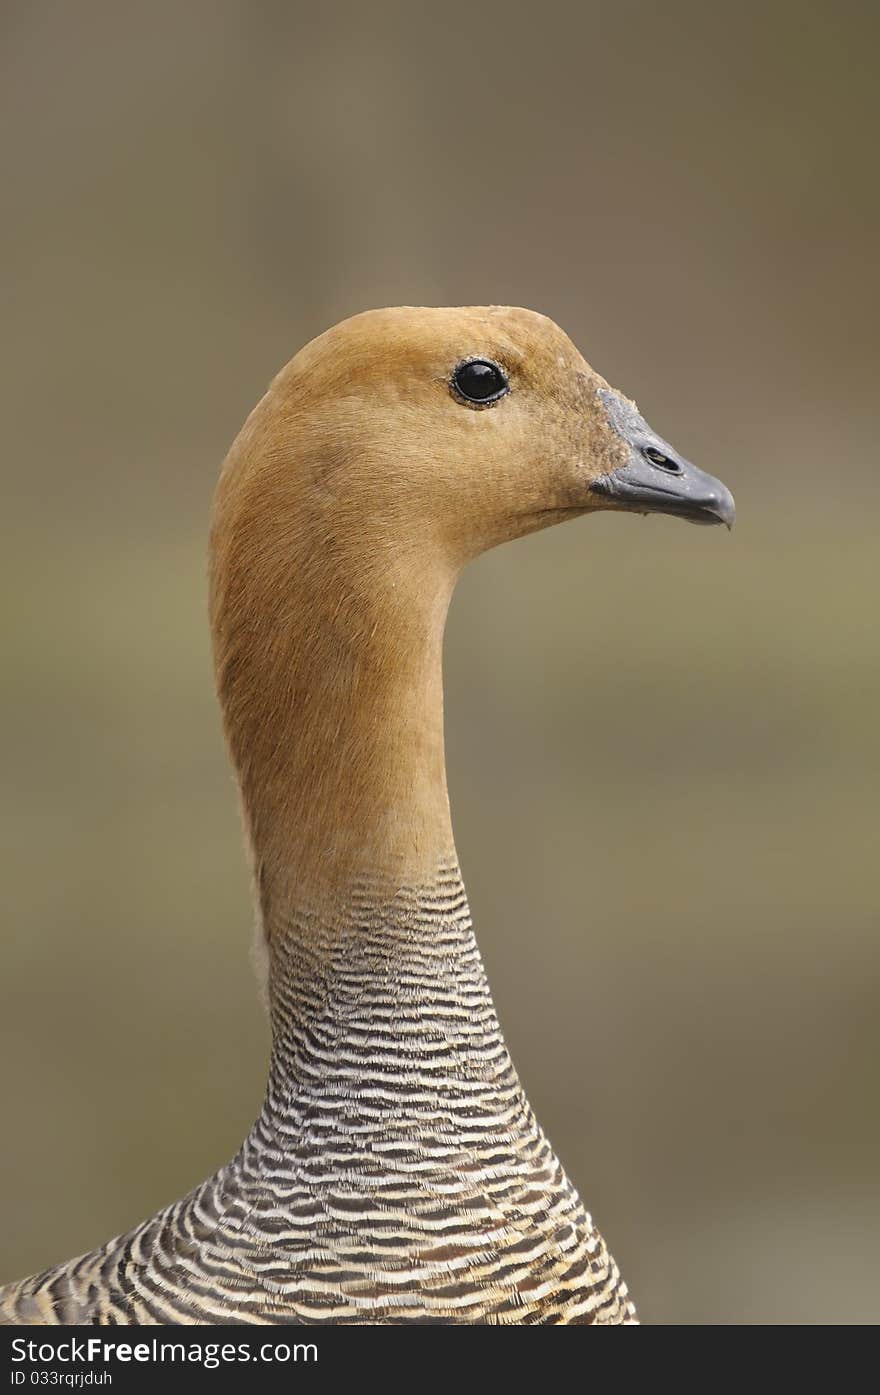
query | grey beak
[656, 479]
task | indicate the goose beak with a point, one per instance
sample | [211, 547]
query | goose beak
[655, 478]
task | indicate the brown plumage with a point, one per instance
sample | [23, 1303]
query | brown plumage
[396, 1172]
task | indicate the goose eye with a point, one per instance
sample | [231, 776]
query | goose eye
[479, 381]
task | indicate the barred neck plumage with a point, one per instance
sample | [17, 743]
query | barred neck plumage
[396, 1172]
[396, 1148]
[382, 1010]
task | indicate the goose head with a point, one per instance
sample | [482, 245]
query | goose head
[389, 452]
[460, 428]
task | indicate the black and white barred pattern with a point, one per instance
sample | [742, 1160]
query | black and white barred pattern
[396, 1173]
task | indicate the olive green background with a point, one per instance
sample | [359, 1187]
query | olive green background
[663, 740]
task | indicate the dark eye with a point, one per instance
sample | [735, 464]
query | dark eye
[480, 381]
[663, 462]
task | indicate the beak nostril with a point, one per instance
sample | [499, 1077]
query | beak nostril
[639, 486]
[662, 462]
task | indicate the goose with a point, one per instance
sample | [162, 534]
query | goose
[396, 1173]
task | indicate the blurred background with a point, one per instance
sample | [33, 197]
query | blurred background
[663, 741]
